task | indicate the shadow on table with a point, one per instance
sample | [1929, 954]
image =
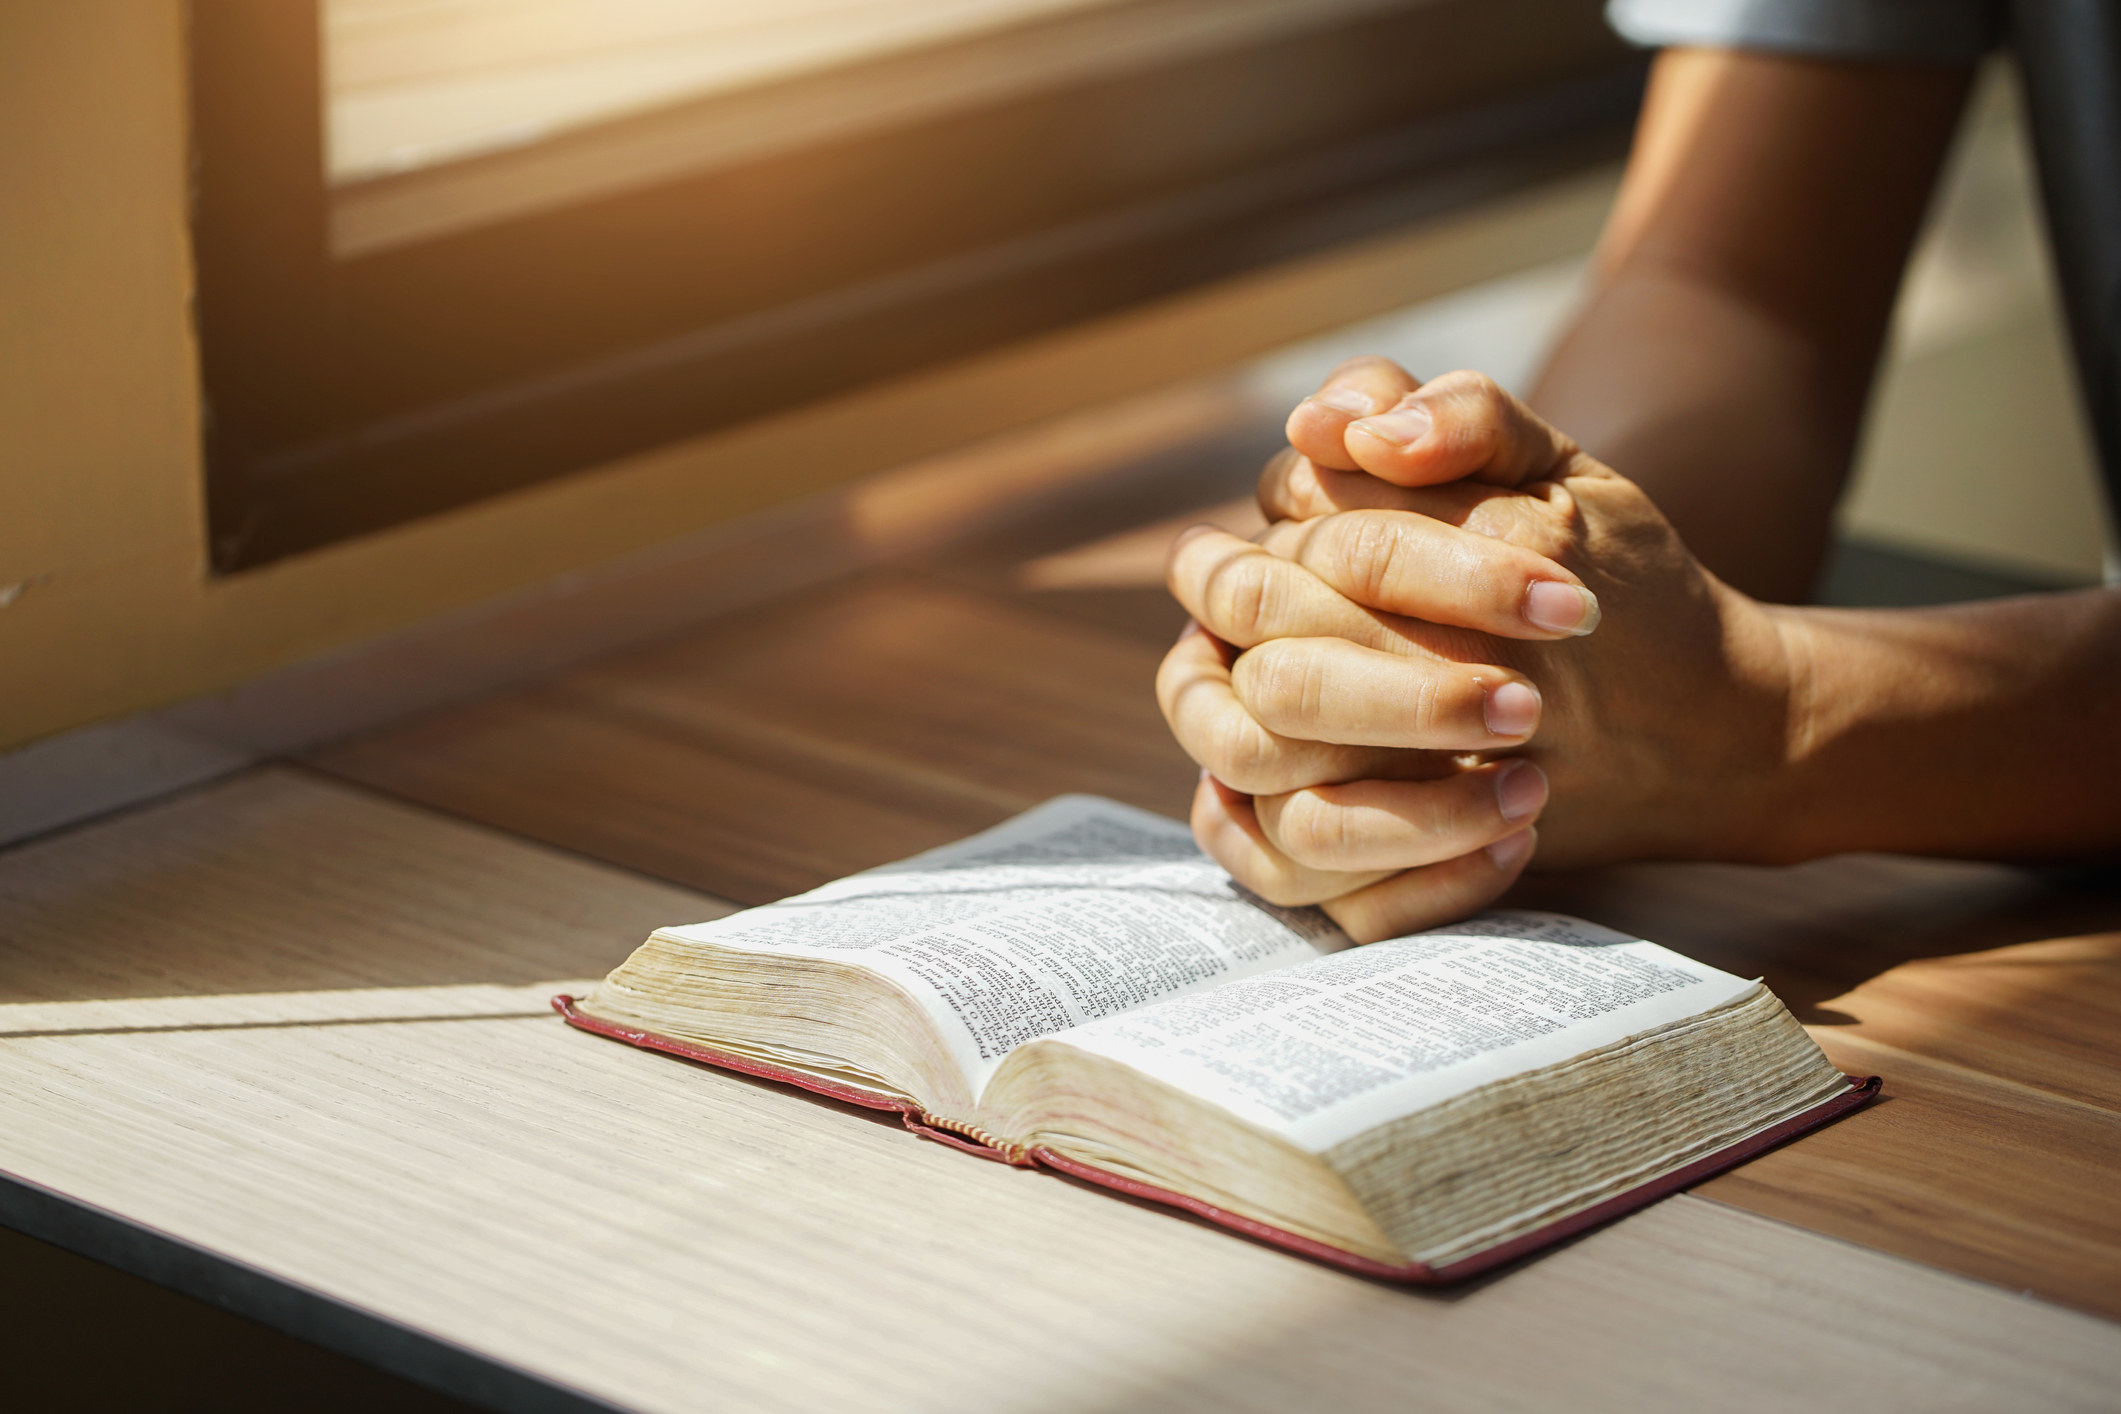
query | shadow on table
[1815, 931]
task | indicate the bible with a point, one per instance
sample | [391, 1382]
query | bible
[1081, 989]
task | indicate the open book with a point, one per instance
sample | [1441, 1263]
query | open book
[1081, 988]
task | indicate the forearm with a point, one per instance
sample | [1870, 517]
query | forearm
[1983, 730]
[1723, 415]
[1745, 281]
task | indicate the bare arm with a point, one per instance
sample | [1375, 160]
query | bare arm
[1744, 285]
[1983, 730]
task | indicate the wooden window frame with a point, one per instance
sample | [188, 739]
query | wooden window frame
[346, 395]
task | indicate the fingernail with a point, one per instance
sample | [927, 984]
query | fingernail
[1352, 401]
[1560, 608]
[1512, 709]
[1402, 428]
[1520, 790]
[1510, 851]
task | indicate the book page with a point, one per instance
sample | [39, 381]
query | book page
[1080, 909]
[1322, 1052]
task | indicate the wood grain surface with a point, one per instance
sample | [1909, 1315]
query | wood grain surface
[839, 730]
[889, 713]
[278, 1018]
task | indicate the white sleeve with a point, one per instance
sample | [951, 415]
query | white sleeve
[1937, 31]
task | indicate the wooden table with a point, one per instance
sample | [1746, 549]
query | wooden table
[282, 1042]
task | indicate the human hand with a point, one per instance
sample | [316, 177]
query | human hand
[1378, 668]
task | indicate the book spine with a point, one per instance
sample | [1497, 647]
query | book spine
[972, 1140]
[943, 1131]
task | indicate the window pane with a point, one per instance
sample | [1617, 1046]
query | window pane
[448, 114]
[415, 82]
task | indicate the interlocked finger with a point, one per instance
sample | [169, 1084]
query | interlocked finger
[1244, 595]
[1462, 425]
[1422, 568]
[1293, 487]
[1327, 689]
[1370, 825]
[1193, 686]
[1415, 899]
[1367, 905]
[1228, 831]
[1358, 388]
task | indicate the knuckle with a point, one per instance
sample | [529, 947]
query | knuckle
[1312, 831]
[1283, 684]
[1277, 490]
[1481, 574]
[1241, 755]
[1243, 594]
[1542, 524]
[1456, 809]
[1294, 491]
[1472, 391]
[1187, 684]
[1468, 388]
[1479, 412]
[1426, 707]
[1477, 435]
[1168, 691]
[1174, 674]
[1181, 567]
[1373, 558]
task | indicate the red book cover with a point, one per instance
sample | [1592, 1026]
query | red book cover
[1860, 1091]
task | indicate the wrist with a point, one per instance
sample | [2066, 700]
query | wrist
[1749, 800]
[1976, 729]
[1841, 783]
[1788, 822]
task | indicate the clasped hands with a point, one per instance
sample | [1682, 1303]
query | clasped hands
[1462, 642]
